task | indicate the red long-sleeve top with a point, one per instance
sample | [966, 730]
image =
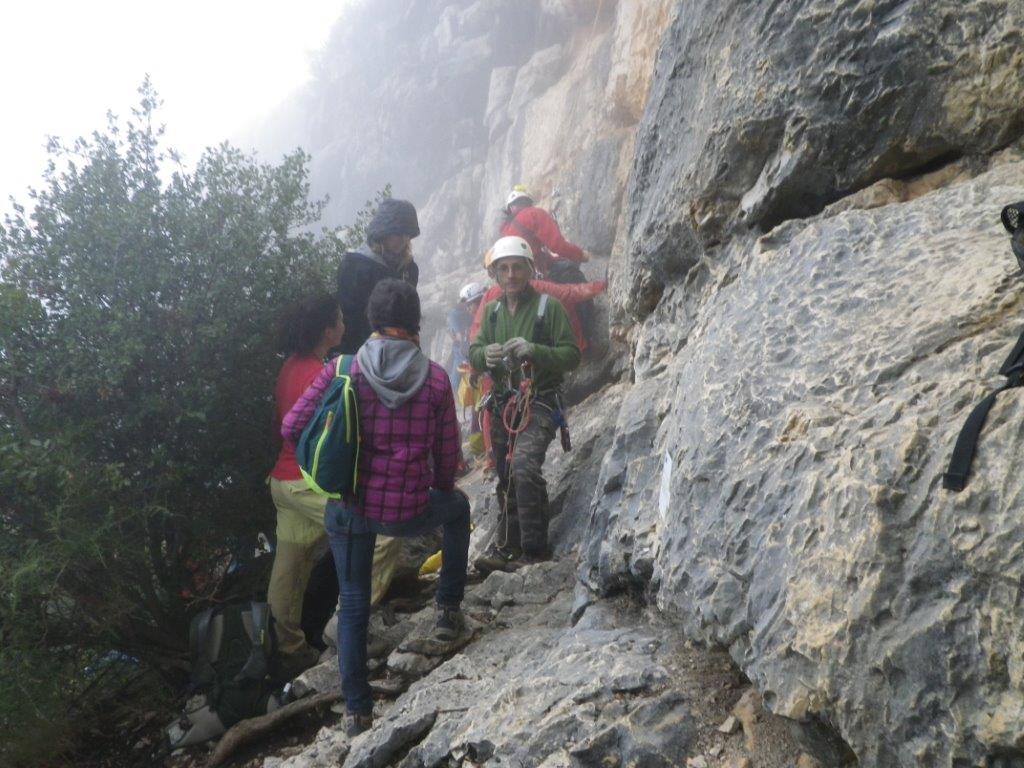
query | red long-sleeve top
[540, 230]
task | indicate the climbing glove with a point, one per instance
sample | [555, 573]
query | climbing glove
[493, 355]
[518, 348]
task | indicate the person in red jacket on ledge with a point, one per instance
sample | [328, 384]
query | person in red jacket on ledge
[537, 226]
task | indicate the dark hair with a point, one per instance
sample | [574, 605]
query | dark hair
[394, 304]
[306, 322]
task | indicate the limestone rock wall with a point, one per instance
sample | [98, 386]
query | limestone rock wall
[777, 483]
[810, 342]
[764, 111]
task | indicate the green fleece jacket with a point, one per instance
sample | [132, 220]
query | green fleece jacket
[555, 350]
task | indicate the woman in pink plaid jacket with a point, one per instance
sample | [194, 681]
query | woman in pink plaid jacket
[408, 456]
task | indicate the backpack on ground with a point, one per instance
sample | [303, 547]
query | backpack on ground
[233, 653]
[328, 450]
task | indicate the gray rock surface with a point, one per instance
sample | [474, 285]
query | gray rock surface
[614, 690]
[765, 111]
[775, 483]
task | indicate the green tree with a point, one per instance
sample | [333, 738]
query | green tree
[139, 305]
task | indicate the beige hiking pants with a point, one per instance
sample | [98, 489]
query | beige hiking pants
[301, 541]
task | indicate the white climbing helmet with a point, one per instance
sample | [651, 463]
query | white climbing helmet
[518, 193]
[472, 292]
[511, 247]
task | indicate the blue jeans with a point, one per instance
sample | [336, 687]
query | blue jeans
[352, 538]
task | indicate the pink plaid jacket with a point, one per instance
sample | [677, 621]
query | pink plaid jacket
[398, 446]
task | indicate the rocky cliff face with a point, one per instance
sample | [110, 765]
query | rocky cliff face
[454, 101]
[764, 112]
[775, 478]
[806, 259]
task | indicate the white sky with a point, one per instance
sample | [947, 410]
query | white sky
[218, 65]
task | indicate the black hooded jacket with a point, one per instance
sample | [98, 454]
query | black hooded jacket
[358, 274]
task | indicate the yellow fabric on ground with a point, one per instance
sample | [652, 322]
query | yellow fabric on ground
[431, 565]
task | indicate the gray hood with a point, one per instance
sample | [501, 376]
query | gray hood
[366, 251]
[395, 368]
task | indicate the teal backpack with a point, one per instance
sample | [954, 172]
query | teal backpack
[328, 450]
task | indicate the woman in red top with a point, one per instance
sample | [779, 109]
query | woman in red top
[312, 328]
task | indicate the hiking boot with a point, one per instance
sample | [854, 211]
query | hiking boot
[356, 724]
[449, 624]
[291, 665]
[495, 559]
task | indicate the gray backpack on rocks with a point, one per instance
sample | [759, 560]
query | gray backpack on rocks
[233, 654]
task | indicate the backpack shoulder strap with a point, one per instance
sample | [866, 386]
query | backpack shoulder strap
[199, 641]
[492, 316]
[344, 367]
[538, 323]
[1014, 363]
[256, 623]
[526, 232]
[955, 477]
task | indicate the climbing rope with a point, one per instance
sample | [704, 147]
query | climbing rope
[516, 414]
[515, 418]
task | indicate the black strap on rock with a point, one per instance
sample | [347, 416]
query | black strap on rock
[955, 478]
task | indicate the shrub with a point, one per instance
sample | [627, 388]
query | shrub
[139, 305]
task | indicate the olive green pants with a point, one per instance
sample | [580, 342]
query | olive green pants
[301, 540]
[522, 490]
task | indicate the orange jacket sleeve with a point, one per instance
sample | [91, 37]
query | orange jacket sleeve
[570, 294]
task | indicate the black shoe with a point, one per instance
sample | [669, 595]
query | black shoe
[356, 724]
[449, 624]
[292, 665]
[495, 559]
[524, 560]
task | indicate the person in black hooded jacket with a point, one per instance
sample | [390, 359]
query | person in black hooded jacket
[386, 254]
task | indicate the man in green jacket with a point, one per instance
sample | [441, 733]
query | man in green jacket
[522, 335]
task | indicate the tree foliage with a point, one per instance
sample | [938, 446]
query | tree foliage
[139, 304]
